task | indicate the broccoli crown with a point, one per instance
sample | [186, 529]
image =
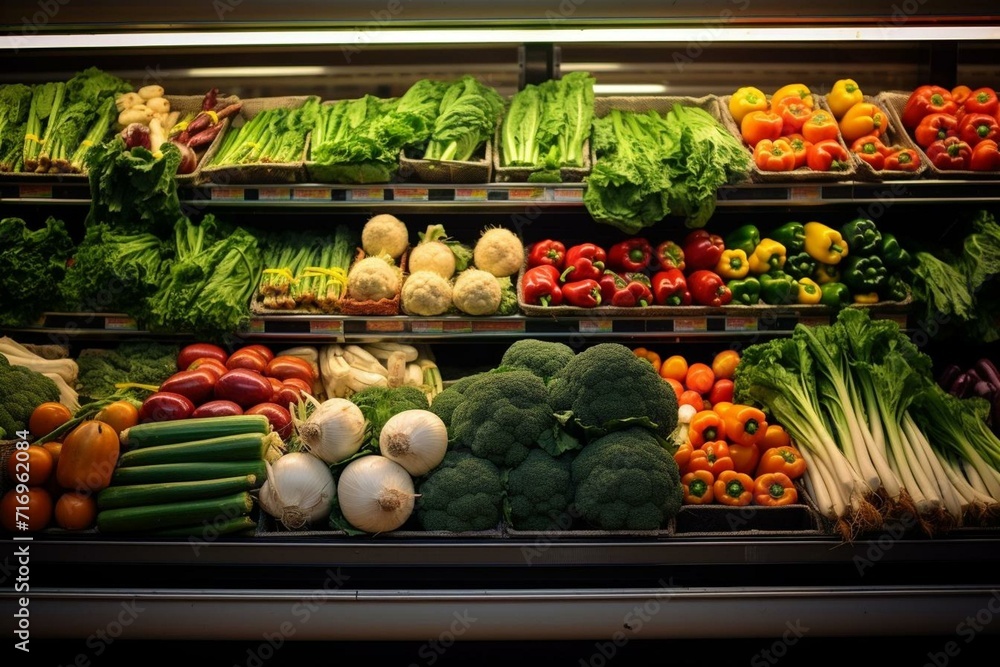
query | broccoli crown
[539, 491]
[379, 404]
[502, 416]
[543, 358]
[626, 481]
[444, 404]
[462, 494]
[22, 390]
[607, 384]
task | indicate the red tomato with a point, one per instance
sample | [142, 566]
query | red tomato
[165, 406]
[217, 409]
[262, 350]
[299, 384]
[35, 515]
[208, 364]
[197, 351]
[722, 391]
[280, 418]
[250, 360]
[244, 387]
[197, 385]
[691, 398]
[31, 466]
[284, 367]
[76, 511]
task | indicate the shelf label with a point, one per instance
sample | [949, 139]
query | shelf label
[427, 326]
[510, 326]
[256, 326]
[326, 327]
[470, 194]
[526, 194]
[596, 326]
[227, 194]
[457, 326]
[741, 324]
[120, 324]
[34, 191]
[274, 194]
[410, 194]
[385, 326]
[814, 320]
[313, 194]
[690, 324]
[367, 194]
[568, 194]
[805, 192]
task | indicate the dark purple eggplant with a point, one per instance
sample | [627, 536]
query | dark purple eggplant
[988, 372]
[136, 134]
[961, 386]
[948, 376]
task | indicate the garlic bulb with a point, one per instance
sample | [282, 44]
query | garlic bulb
[299, 490]
[415, 439]
[334, 431]
[375, 494]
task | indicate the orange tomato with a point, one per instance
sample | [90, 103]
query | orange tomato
[724, 364]
[35, 516]
[674, 368]
[693, 399]
[677, 387]
[76, 511]
[47, 417]
[120, 415]
[36, 462]
[700, 378]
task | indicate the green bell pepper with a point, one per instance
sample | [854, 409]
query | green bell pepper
[835, 295]
[746, 292]
[800, 265]
[778, 288]
[862, 236]
[893, 254]
[792, 235]
[864, 274]
[895, 289]
[743, 238]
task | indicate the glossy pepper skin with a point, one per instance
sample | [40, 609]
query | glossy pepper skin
[935, 127]
[800, 265]
[745, 424]
[733, 488]
[733, 264]
[894, 255]
[708, 289]
[871, 150]
[800, 148]
[924, 101]
[950, 153]
[835, 295]
[821, 126]
[982, 100]
[977, 127]
[778, 288]
[584, 261]
[582, 293]
[670, 255]
[711, 456]
[702, 250]
[863, 119]
[793, 111]
[862, 236]
[634, 254]
[636, 293]
[774, 155]
[864, 274]
[784, 459]
[826, 273]
[895, 289]
[746, 292]
[809, 292]
[757, 126]
[549, 252]
[611, 282]
[824, 244]
[745, 100]
[985, 156]
[905, 159]
[670, 288]
[792, 235]
[844, 95]
[774, 490]
[706, 426]
[776, 436]
[744, 457]
[769, 255]
[698, 487]
[745, 238]
[541, 286]
[828, 155]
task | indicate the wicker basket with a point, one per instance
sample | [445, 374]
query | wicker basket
[192, 103]
[893, 135]
[448, 171]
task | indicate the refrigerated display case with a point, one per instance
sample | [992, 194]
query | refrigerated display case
[733, 581]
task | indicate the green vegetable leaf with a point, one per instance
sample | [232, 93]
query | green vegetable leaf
[557, 440]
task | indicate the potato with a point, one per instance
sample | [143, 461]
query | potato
[149, 92]
[138, 114]
[127, 101]
[159, 105]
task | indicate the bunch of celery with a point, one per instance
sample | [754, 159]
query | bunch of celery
[273, 135]
[307, 271]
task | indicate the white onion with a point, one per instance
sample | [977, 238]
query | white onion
[415, 439]
[375, 494]
[299, 490]
[335, 431]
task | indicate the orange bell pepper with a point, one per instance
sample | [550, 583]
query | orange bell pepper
[776, 436]
[793, 111]
[819, 127]
[648, 355]
[712, 456]
[960, 93]
[774, 489]
[721, 407]
[800, 148]
[698, 487]
[706, 426]
[871, 149]
[799, 90]
[683, 455]
[774, 155]
[862, 120]
[733, 488]
[745, 100]
[745, 424]
[786, 460]
[745, 457]
[760, 125]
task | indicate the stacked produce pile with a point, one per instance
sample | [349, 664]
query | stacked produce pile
[275, 135]
[306, 271]
[958, 129]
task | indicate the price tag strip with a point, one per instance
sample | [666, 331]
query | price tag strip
[690, 324]
[596, 326]
[741, 324]
[228, 194]
[312, 194]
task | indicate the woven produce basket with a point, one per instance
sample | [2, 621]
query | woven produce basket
[192, 103]
[894, 135]
[448, 171]
[261, 172]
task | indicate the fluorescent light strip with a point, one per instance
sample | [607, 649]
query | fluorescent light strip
[376, 35]
[629, 89]
[229, 72]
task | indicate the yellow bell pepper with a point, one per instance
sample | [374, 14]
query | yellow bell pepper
[824, 244]
[733, 264]
[867, 299]
[826, 273]
[844, 95]
[809, 291]
[862, 120]
[768, 255]
[745, 100]
[799, 90]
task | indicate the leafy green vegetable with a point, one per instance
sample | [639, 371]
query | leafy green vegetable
[34, 262]
[379, 404]
[140, 363]
[548, 124]
[467, 117]
[15, 100]
[273, 135]
[23, 390]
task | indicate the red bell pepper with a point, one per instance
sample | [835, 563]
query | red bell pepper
[978, 126]
[670, 288]
[584, 262]
[871, 149]
[799, 148]
[935, 127]
[548, 252]
[631, 255]
[709, 289]
[582, 293]
[828, 155]
[669, 255]
[985, 156]
[635, 293]
[794, 112]
[610, 283]
[926, 100]
[950, 153]
[540, 285]
[702, 250]
[982, 100]
[905, 159]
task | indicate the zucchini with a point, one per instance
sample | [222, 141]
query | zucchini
[174, 515]
[153, 494]
[240, 524]
[153, 434]
[245, 447]
[188, 472]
